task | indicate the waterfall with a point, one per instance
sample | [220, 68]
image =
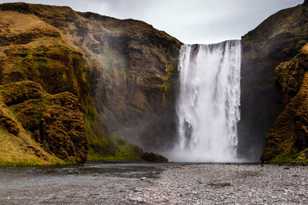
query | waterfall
[208, 103]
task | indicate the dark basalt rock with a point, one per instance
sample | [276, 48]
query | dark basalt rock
[152, 157]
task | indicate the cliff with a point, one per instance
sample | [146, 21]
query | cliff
[77, 86]
[274, 100]
[80, 86]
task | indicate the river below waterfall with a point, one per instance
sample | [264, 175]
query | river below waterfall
[155, 184]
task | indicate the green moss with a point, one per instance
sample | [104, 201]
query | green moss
[123, 151]
[292, 159]
[97, 143]
[302, 157]
[53, 121]
[167, 79]
[283, 159]
[101, 146]
[165, 87]
[55, 65]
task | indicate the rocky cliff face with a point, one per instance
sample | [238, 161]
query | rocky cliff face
[73, 84]
[273, 87]
[287, 140]
[135, 93]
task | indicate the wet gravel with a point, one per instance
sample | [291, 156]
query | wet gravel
[155, 184]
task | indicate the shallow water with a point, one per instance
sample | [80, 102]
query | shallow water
[155, 184]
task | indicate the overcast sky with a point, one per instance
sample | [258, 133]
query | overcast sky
[191, 21]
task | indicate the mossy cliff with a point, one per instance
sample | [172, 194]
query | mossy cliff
[287, 141]
[54, 123]
[73, 85]
[274, 88]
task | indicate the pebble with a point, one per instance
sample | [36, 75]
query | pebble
[173, 184]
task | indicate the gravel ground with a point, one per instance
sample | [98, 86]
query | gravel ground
[109, 184]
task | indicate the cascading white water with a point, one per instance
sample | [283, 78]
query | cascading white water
[208, 105]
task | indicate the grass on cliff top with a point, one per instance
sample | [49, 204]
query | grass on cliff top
[16, 23]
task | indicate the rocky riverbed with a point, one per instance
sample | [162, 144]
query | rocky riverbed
[155, 184]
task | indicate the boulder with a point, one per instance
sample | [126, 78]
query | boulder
[152, 157]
